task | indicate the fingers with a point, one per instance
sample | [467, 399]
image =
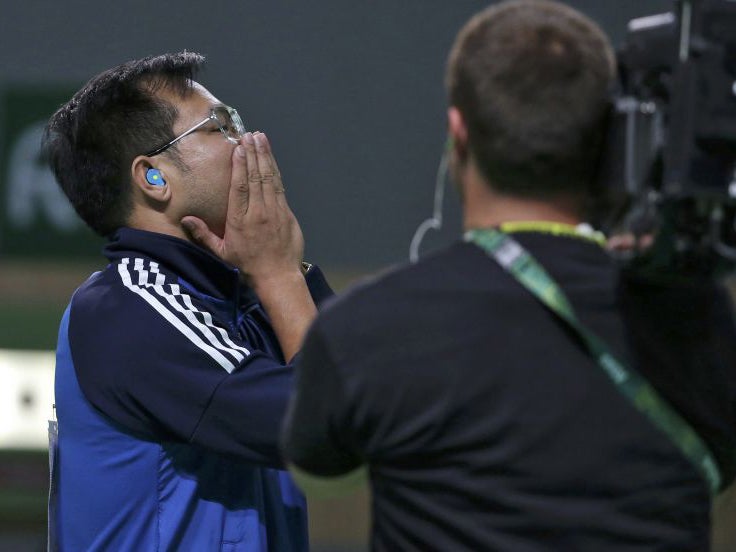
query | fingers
[201, 234]
[253, 180]
[273, 188]
[239, 198]
[266, 162]
[621, 242]
[271, 158]
[280, 188]
[630, 242]
[255, 183]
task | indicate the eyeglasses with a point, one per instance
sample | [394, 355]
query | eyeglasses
[228, 122]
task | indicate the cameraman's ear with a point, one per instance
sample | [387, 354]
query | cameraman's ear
[149, 179]
[457, 133]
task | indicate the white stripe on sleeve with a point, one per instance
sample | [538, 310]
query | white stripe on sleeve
[185, 329]
[191, 312]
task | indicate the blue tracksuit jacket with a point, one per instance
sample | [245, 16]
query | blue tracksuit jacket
[170, 388]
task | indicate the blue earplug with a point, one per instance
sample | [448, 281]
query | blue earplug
[153, 176]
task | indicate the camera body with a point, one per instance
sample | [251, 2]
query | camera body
[670, 164]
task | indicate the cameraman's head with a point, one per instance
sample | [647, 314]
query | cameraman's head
[528, 84]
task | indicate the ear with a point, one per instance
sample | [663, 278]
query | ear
[153, 192]
[458, 132]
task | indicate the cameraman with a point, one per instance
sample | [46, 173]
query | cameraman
[481, 415]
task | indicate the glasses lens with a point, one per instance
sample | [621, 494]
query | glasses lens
[230, 122]
[237, 122]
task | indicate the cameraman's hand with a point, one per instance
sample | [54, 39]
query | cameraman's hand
[263, 240]
[629, 243]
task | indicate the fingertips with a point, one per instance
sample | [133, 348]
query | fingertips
[200, 233]
[261, 141]
[248, 149]
[246, 146]
[246, 143]
[193, 226]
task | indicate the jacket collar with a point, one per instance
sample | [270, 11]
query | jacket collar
[196, 266]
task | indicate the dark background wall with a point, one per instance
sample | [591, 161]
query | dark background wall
[350, 93]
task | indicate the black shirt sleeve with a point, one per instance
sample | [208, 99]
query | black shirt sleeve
[682, 336]
[317, 435]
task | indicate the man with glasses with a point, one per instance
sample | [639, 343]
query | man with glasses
[174, 362]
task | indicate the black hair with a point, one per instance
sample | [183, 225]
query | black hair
[91, 141]
[532, 80]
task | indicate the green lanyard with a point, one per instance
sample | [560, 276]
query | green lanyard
[528, 272]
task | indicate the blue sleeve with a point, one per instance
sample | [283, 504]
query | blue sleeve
[254, 397]
[167, 376]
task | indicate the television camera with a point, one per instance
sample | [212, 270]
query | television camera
[670, 161]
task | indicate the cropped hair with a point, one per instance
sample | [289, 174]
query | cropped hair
[532, 79]
[91, 141]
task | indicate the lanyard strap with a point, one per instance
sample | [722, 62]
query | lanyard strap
[528, 272]
[582, 231]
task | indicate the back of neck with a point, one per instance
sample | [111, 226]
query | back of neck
[483, 207]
